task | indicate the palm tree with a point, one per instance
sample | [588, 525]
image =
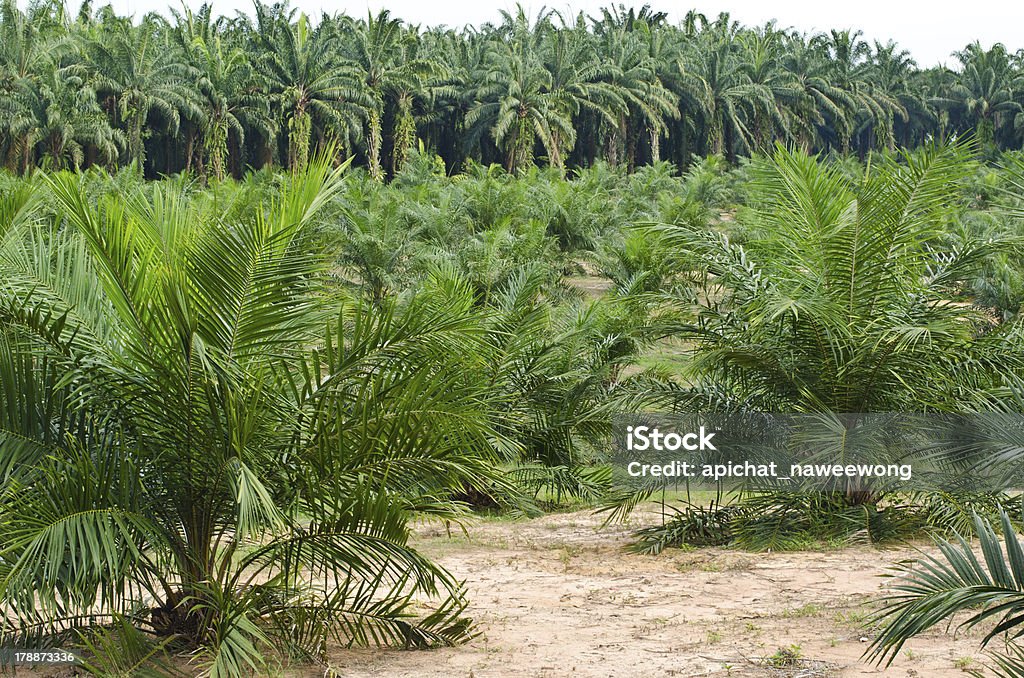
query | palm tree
[556, 370]
[311, 87]
[720, 91]
[66, 119]
[847, 58]
[892, 71]
[460, 57]
[229, 460]
[513, 100]
[415, 97]
[841, 305]
[935, 589]
[579, 83]
[383, 53]
[764, 53]
[23, 54]
[139, 77]
[986, 93]
[228, 86]
[631, 73]
[825, 106]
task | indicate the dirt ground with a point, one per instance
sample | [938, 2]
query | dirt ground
[557, 596]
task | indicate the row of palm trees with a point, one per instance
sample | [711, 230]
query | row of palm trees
[218, 95]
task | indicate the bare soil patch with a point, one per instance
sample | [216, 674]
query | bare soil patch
[557, 596]
[592, 286]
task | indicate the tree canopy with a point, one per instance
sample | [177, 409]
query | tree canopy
[216, 94]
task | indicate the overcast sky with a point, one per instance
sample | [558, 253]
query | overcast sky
[929, 30]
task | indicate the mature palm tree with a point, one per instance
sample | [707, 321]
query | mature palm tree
[719, 89]
[764, 52]
[460, 56]
[66, 120]
[226, 459]
[229, 88]
[986, 94]
[579, 82]
[825, 106]
[383, 53]
[513, 100]
[416, 98]
[848, 64]
[312, 88]
[664, 46]
[632, 74]
[892, 71]
[23, 55]
[140, 79]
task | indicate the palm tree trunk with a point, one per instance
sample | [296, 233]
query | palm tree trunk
[843, 132]
[521, 151]
[26, 160]
[716, 137]
[986, 132]
[616, 143]
[611, 151]
[655, 146]
[299, 129]
[405, 134]
[729, 145]
[216, 146]
[233, 159]
[632, 138]
[189, 149]
[373, 151]
[136, 152]
[268, 152]
[555, 152]
[13, 156]
[56, 151]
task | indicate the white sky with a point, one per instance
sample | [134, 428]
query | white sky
[929, 30]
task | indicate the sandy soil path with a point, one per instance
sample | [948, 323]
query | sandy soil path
[556, 596]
